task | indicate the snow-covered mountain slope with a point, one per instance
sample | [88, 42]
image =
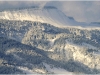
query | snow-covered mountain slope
[55, 70]
[31, 37]
[50, 15]
[71, 48]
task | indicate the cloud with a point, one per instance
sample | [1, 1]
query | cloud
[17, 4]
[85, 11]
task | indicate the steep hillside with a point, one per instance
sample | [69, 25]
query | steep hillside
[48, 14]
[34, 47]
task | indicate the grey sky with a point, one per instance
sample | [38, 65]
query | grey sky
[85, 11]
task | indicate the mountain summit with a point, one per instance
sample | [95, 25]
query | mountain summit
[47, 14]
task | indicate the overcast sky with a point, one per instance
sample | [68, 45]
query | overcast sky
[83, 11]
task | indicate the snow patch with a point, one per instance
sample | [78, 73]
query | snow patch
[56, 70]
[52, 42]
[89, 46]
[39, 70]
[10, 51]
[29, 71]
[26, 70]
[17, 57]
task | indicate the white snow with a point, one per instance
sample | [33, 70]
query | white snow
[26, 70]
[56, 70]
[52, 42]
[17, 57]
[78, 53]
[50, 50]
[29, 71]
[10, 51]
[97, 53]
[51, 16]
[89, 46]
[39, 70]
[84, 45]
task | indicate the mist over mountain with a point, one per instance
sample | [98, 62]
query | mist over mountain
[82, 11]
[44, 40]
[48, 14]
